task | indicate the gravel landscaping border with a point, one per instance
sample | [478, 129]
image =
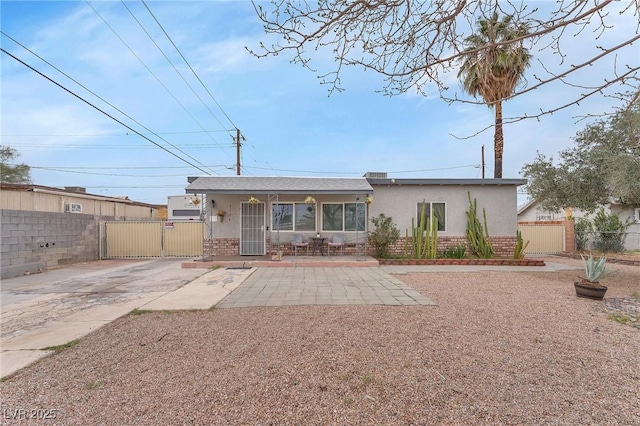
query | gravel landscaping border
[500, 348]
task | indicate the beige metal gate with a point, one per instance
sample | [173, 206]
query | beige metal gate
[151, 239]
[543, 238]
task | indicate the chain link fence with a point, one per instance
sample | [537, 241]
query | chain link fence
[607, 242]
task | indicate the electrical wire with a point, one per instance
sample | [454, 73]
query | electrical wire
[98, 109]
[153, 74]
[96, 95]
[171, 62]
[188, 64]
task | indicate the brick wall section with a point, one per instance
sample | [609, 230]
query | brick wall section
[504, 247]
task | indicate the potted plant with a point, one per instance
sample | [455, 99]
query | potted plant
[589, 285]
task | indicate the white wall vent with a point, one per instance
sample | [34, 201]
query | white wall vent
[72, 208]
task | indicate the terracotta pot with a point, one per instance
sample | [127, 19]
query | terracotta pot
[595, 292]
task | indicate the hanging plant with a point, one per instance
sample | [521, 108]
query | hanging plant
[310, 200]
[253, 200]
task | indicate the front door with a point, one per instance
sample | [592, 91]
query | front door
[252, 230]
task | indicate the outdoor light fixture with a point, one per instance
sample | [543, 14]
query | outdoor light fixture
[368, 199]
[253, 200]
[310, 200]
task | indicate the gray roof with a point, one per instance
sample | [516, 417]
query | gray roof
[440, 181]
[277, 185]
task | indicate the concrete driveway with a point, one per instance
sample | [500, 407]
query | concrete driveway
[58, 306]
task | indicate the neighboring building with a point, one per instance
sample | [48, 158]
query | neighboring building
[532, 212]
[38, 198]
[44, 227]
[184, 207]
[254, 215]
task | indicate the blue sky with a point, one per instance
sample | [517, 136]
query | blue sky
[292, 127]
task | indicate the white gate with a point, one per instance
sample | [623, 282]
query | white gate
[544, 238]
[131, 239]
[252, 232]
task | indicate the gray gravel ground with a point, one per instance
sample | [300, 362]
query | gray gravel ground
[500, 348]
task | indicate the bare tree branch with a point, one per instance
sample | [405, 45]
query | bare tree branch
[416, 45]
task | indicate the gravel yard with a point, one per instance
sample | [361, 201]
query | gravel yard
[500, 348]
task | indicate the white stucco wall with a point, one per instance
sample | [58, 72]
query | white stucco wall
[400, 202]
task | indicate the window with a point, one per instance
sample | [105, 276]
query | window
[637, 215]
[439, 211]
[344, 217]
[293, 217]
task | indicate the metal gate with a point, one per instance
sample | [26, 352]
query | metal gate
[252, 238]
[543, 238]
[151, 239]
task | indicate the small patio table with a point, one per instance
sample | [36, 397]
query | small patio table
[318, 244]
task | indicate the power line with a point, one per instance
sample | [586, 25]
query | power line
[152, 73]
[359, 173]
[188, 64]
[121, 168]
[170, 62]
[96, 95]
[98, 109]
[111, 146]
[119, 134]
[59, 169]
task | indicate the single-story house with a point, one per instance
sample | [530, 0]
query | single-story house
[258, 215]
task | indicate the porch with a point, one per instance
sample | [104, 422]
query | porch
[284, 262]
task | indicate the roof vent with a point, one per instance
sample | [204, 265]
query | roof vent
[376, 175]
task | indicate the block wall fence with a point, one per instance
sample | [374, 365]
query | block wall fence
[33, 241]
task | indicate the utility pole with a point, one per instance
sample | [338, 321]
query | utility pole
[238, 140]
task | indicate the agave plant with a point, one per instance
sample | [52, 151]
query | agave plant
[594, 269]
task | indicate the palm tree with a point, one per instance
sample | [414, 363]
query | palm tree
[493, 66]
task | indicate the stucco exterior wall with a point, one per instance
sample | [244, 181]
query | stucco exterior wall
[400, 202]
[229, 227]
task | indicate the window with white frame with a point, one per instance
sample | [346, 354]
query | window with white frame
[637, 215]
[344, 217]
[293, 217]
[439, 211]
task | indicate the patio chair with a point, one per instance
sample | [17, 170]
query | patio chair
[337, 240]
[296, 241]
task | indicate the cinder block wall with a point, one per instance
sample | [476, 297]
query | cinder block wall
[34, 241]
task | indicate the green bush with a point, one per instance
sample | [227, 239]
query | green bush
[384, 235]
[455, 252]
[610, 232]
[583, 229]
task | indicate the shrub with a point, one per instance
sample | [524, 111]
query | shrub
[455, 252]
[384, 234]
[610, 232]
[583, 229]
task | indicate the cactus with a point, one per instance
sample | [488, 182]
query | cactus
[518, 252]
[424, 237]
[478, 235]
